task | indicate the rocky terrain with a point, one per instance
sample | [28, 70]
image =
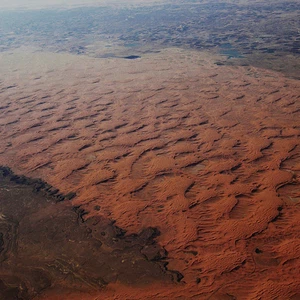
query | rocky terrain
[45, 245]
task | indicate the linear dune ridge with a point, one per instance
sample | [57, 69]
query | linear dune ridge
[207, 154]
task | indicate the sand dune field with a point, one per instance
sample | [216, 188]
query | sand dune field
[207, 154]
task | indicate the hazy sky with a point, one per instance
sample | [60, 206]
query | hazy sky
[42, 3]
[65, 3]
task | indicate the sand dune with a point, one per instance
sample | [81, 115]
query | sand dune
[208, 154]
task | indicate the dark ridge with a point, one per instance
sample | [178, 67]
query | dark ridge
[46, 243]
[132, 57]
[38, 185]
[84, 147]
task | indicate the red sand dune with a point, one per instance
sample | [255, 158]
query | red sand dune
[208, 154]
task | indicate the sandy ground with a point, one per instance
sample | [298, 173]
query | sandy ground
[208, 154]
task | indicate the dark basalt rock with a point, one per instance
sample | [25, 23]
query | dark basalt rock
[1, 242]
[154, 252]
[70, 196]
[37, 185]
[149, 233]
[45, 243]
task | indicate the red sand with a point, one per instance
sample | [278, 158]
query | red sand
[208, 154]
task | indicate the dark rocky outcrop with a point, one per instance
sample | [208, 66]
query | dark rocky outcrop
[45, 243]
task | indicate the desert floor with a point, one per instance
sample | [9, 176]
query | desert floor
[166, 176]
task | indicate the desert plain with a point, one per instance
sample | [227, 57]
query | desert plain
[143, 162]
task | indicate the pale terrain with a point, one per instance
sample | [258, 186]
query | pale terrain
[209, 154]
